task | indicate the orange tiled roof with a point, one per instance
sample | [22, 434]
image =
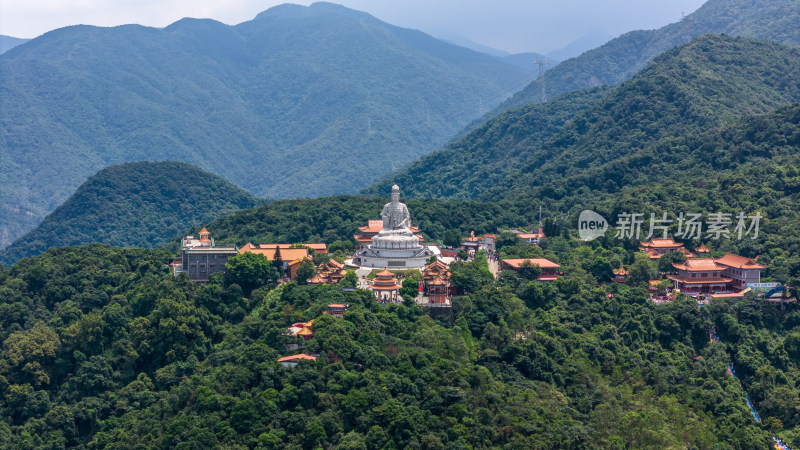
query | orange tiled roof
[384, 273]
[438, 281]
[274, 246]
[660, 243]
[702, 249]
[436, 265]
[287, 254]
[728, 295]
[739, 262]
[620, 271]
[389, 287]
[541, 262]
[204, 235]
[698, 265]
[319, 248]
[298, 357]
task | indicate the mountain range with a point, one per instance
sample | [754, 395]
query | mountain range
[8, 42]
[623, 57]
[532, 152]
[300, 101]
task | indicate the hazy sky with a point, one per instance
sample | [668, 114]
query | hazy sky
[510, 25]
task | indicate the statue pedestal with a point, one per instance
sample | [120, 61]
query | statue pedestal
[394, 249]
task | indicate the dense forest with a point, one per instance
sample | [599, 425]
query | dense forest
[693, 89]
[466, 167]
[103, 348]
[359, 98]
[139, 204]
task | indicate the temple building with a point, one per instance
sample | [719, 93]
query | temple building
[532, 238]
[337, 310]
[657, 247]
[293, 360]
[288, 258]
[702, 250]
[700, 276]
[436, 282]
[386, 288]
[316, 247]
[729, 274]
[200, 258]
[330, 272]
[741, 270]
[395, 245]
[620, 275]
[473, 244]
[550, 270]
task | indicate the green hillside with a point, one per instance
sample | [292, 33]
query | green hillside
[688, 90]
[624, 56]
[103, 348]
[8, 42]
[300, 101]
[139, 204]
[634, 135]
[484, 158]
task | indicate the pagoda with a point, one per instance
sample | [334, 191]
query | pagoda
[385, 287]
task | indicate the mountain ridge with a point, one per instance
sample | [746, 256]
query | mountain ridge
[274, 104]
[137, 204]
[624, 56]
[688, 89]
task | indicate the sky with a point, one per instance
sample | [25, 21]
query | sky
[510, 25]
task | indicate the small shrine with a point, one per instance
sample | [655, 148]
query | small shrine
[386, 288]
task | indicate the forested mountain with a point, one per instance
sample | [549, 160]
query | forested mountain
[483, 158]
[624, 56]
[300, 101]
[687, 90]
[8, 42]
[636, 133]
[103, 348]
[140, 204]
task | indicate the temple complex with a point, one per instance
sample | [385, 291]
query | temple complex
[395, 245]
